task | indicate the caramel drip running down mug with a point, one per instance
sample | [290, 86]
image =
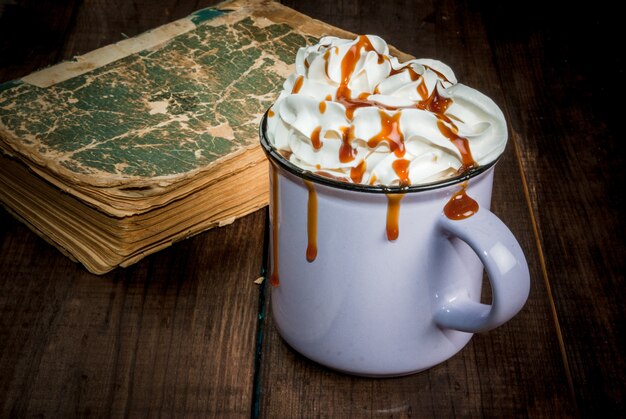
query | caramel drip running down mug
[384, 281]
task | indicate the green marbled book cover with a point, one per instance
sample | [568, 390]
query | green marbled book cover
[152, 111]
[134, 146]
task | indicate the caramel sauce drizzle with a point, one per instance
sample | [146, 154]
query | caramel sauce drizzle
[348, 64]
[460, 206]
[346, 152]
[461, 143]
[390, 132]
[315, 138]
[326, 57]
[311, 226]
[422, 90]
[357, 172]
[353, 104]
[297, 85]
[401, 167]
[412, 73]
[393, 215]
[436, 104]
[274, 277]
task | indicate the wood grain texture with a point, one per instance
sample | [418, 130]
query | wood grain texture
[32, 35]
[566, 118]
[174, 334]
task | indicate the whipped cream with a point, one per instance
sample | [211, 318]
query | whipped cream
[352, 112]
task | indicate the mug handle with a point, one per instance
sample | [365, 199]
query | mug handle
[506, 267]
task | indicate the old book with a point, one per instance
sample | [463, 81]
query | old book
[134, 146]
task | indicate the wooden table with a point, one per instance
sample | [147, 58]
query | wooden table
[186, 332]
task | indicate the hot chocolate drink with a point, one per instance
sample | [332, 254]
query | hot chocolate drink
[381, 179]
[352, 112]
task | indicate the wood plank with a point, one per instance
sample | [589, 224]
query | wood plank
[573, 161]
[32, 35]
[515, 370]
[78, 344]
[172, 335]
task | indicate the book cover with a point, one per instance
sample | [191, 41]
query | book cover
[98, 150]
[151, 111]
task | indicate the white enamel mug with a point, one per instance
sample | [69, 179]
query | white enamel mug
[353, 300]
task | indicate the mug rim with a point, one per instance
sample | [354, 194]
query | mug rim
[275, 157]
